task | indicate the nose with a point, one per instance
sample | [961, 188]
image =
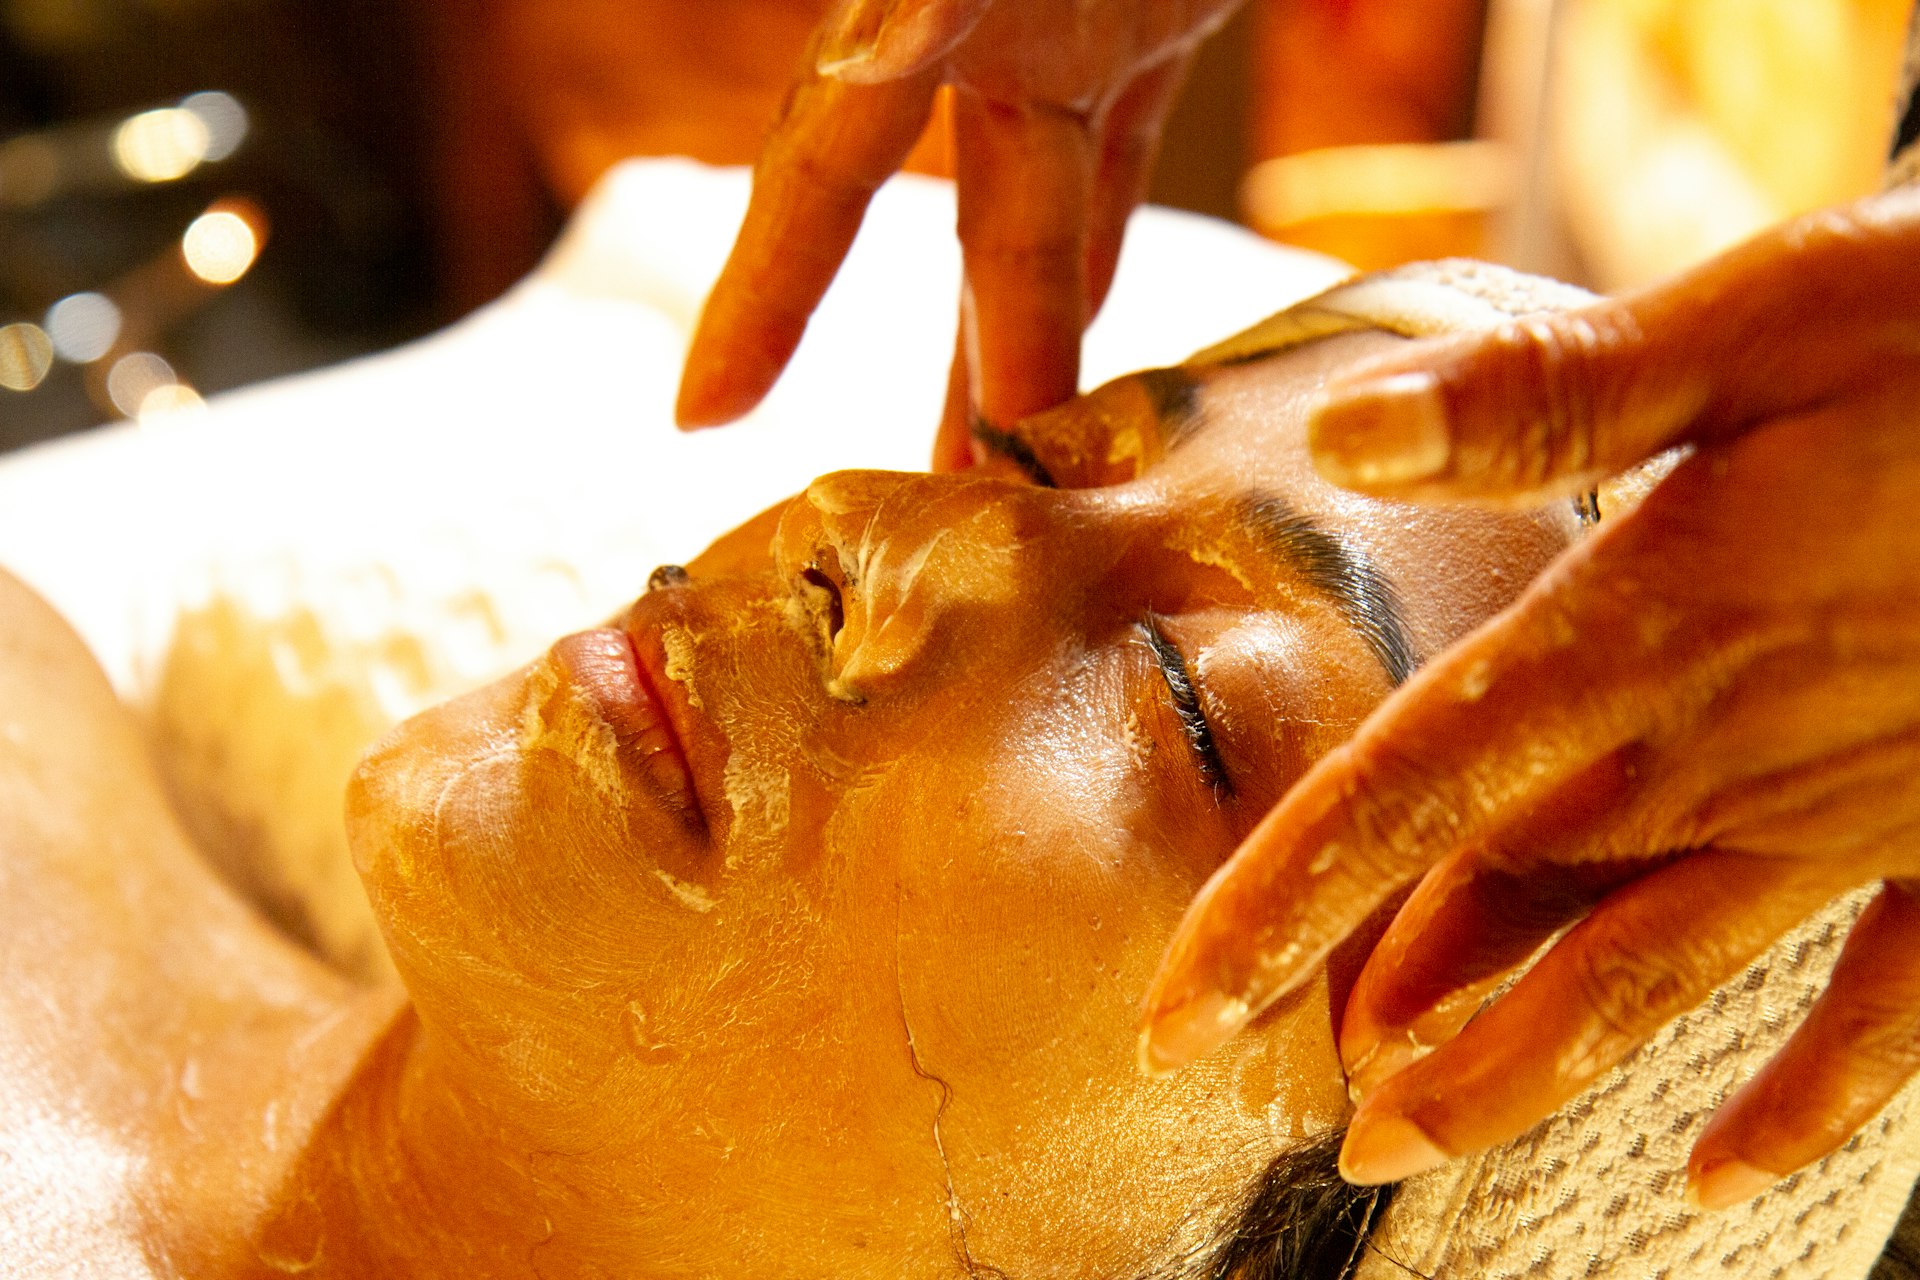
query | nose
[882, 566]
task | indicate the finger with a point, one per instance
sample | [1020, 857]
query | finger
[1859, 1044]
[1478, 915]
[953, 448]
[871, 41]
[833, 147]
[1615, 979]
[1129, 145]
[1023, 174]
[1472, 742]
[1553, 402]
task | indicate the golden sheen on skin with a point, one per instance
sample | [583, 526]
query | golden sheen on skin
[1697, 728]
[737, 936]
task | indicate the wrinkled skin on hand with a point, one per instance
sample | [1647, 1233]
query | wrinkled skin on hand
[1698, 727]
[1058, 106]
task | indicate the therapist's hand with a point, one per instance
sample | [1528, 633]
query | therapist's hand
[1698, 727]
[1057, 114]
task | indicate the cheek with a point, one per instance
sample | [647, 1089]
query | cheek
[1044, 854]
[1038, 881]
[1036, 918]
[1033, 908]
[556, 962]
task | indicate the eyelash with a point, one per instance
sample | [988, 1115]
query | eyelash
[1186, 705]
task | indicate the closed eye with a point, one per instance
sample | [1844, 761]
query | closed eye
[1186, 705]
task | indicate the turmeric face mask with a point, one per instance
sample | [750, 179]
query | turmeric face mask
[799, 919]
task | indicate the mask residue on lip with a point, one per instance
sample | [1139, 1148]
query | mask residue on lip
[555, 717]
[678, 647]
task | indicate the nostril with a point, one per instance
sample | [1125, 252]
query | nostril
[836, 610]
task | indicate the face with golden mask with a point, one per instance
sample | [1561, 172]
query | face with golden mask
[797, 924]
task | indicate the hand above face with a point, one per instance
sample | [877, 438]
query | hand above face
[1697, 728]
[1057, 114]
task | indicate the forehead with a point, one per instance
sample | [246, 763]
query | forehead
[1241, 429]
[1245, 424]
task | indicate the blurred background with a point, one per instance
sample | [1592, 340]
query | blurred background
[199, 194]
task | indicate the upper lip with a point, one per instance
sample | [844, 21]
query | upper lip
[699, 742]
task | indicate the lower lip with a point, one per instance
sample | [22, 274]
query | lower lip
[602, 665]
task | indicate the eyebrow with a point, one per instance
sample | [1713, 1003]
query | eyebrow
[1015, 450]
[1175, 394]
[1342, 573]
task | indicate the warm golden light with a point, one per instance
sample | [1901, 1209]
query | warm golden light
[219, 246]
[1384, 180]
[159, 146]
[26, 353]
[136, 376]
[173, 404]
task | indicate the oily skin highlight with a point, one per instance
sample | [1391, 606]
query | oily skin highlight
[908, 984]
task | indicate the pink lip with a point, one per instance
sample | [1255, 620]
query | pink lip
[622, 676]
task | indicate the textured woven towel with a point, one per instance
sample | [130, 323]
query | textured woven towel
[1597, 1189]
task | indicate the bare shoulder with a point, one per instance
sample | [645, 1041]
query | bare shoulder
[162, 1051]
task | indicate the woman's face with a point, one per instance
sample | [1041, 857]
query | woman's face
[799, 923]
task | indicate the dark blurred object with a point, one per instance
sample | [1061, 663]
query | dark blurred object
[331, 158]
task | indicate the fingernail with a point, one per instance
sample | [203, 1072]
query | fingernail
[1190, 1031]
[1386, 1148]
[1389, 431]
[1730, 1182]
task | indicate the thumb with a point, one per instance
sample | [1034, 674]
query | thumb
[1550, 404]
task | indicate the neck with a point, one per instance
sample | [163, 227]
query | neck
[410, 1175]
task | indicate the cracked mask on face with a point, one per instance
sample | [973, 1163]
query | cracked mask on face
[798, 920]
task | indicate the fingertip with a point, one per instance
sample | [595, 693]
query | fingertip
[691, 412]
[1725, 1182]
[1381, 432]
[1382, 1146]
[713, 397]
[1182, 1033]
[697, 411]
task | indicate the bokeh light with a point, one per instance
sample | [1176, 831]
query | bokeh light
[26, 353]
[83, 326]
[1384, 179]
[159, 146]
[219, 246]
[136, 376]
[171, 404]
[225, 118]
